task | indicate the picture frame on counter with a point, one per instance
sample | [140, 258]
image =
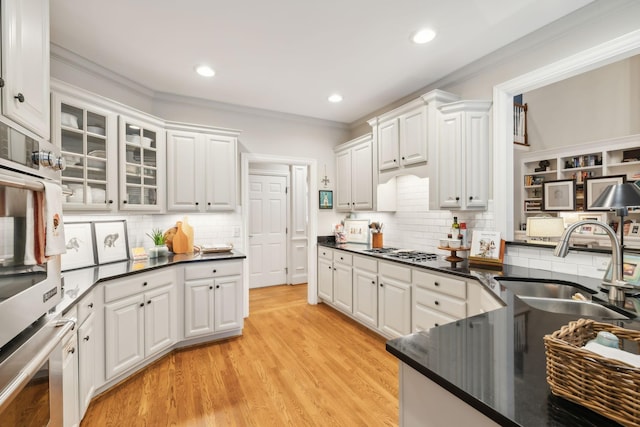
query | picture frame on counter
[80, 246]
[112, 244]
[325, 199]
[593, 188]
[559, 195]
[357, 230]
[630, 268]
[596, 230]
[634, 229]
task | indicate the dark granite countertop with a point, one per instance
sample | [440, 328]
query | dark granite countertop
[78, 282]
[504, 348]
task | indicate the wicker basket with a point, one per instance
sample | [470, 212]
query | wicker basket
[608, 387]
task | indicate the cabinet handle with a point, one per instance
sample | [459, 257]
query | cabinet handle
[437, 303]
[90, 305]
[436, 283]
[141, 304]
[86, 338]
[72, 350]
[144, 284]
[19, 97]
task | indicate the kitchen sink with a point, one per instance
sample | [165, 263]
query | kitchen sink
[546, 289]
[569, 306]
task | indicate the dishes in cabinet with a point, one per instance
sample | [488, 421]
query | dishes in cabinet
[146, 142]
[98, 195]
[73, 159]
[134, 139]
[98, 153]
[68, 119]
[98, 130]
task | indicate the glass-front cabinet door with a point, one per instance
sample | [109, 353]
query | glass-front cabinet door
[142, 147]
[87, 138]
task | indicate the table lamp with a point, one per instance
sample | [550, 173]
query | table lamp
[544, 227]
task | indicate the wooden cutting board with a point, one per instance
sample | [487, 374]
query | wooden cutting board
[180, 240]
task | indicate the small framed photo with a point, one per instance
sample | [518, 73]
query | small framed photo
[357, 230]
[634, 229]
[559, 195]
[111, 241]
[594, 217]
[630, 268]
[593, 188]
[80, 248]
[587, 229]
[326, 199]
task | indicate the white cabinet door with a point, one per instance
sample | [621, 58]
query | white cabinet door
[124, 334]
[395, 307]
[183, 182]
[477, 159]
[413, 137]
[198, 307]
[86, 363]
[343, 287]
[365, 297]
[450, 158]
[161, 319]
[325, 279]
[388, 143]
[362, 176]
[220, 172]
[70, 415]
[228, 303]
[343, 195]
[25, 63]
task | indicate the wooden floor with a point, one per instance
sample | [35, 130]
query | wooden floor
[295, 365]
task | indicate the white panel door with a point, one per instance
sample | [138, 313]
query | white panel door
[388, 140]
[413, 148]
[161, 320]
[267, 230]
[124, 334]
[228, 303]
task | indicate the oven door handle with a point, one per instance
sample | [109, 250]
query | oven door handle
[33, 365]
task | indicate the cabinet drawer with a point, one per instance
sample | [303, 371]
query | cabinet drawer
[395, 271]
[325, 253]
[86, 306]
[342, 257]
[441, 284]
[424, 318]
[444, 303]
[213, 269]
[365, 263]
[137, 283]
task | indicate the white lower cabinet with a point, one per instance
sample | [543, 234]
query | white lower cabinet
[140, 319]
[342, 281]
[437, 300]
[394, 299]
[213, 298]
[365, 290]
[325, 274]
[86, 363]
[70, 414]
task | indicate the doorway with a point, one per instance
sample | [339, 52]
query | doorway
[302, 224]
[268, 218]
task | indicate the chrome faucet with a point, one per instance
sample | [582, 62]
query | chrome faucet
[616, 292]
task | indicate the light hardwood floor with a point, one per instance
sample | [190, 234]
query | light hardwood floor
[295, 365]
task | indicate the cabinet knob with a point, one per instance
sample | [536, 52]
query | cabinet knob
[437, 303]
[402, 157]
[149, 302]
[470, 197]
[457, 199]
[381, 285]
[124, 202]
[197, 203]
[86, 338]
[209, 204]
[210, 287]
[436, 324]
[373, 282]
[144, 284]
[330, 267]
[217, 286]
[215, 271]
[341, 259]
[395, 161]
[141, 304]
[110, 202]
[436, 283]
[19, 97]
[90, 305]
[334, 269]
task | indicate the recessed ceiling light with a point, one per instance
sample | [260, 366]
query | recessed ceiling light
[423, 36]
[205, 71]
[336, 97]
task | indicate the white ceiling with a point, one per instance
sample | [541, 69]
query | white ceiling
[290, 55]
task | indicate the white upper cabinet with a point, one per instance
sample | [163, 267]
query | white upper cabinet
[388, 141]
[142, 164]
[463, 162]
[25, 63]
[201, 169]
[354, 174]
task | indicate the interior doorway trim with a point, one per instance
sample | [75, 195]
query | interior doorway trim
[312, 206]
[605, 53]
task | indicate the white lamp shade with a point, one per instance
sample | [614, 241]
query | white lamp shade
[545, 226]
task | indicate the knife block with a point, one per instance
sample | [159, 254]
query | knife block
[376, 240]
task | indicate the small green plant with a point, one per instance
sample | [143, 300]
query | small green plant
[157, 236]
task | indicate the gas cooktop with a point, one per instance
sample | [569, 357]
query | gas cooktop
[403, 254]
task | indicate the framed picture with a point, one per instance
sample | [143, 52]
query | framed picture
[326, 199]
[111, 241]
[634, 230]
[587, 229]
[80, 248]
[357, 230]
[559, 195]
[593, 188]
[594, 217]
[486, 245]
[630, 268]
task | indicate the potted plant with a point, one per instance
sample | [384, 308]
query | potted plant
[160, 249]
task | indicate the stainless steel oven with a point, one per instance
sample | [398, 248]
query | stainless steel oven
[27, 290]
[31, 393]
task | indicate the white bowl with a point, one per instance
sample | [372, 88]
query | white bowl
[146, 142]
[444, 243]
[68, 119]
[454, 243]
[99, 130]
[134, 139]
